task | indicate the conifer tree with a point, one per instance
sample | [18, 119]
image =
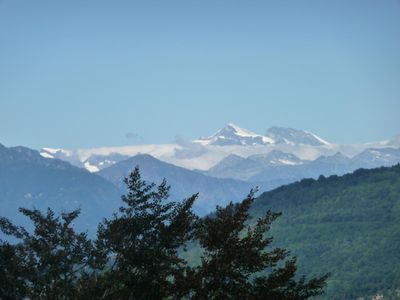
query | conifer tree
[136, 254]
[11, 284]
[143, 240]
[50, 263]
[237, 265]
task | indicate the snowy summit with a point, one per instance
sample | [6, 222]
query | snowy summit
[232, 134]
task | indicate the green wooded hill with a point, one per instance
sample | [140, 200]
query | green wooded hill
[347, 225]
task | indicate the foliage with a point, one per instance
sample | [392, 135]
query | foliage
[48, 264]
[136, 254]
[143, 242]
[348, 226]
[11, 287]
[234, 253]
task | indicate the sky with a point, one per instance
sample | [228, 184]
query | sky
[90, 73]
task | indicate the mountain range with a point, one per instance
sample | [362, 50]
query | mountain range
[212, 191]
[27, 179]
[206, 152]
[348, 226]
[278, 165]
[232, 134]
[236, 159]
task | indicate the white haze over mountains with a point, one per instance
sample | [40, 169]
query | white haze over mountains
[206, 152]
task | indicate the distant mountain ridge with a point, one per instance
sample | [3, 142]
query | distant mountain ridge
[206, 152]
[294, 136]
[232, 134]
[212, 191]
[287, 167]
[29, 180]
[229, 180]
[346, 225]
[280, 156]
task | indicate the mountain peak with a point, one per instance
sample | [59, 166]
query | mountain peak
[231, 127]
[231, 134]
[237, 129]
[284, 135]
[338, 157]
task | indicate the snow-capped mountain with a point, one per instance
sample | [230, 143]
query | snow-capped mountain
[232, 134]
[294, 136]
[204, 153]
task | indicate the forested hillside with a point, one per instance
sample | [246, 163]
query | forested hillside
[348, 225]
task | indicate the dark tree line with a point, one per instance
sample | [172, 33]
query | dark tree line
[136, 254]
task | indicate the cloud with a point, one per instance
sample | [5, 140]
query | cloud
[189, 149]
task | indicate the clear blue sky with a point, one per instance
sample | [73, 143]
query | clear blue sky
[85, 73]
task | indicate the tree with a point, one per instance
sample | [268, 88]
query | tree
[143, 240]
[11, 284]
[51, 262]
[236, 265]
[137, 254]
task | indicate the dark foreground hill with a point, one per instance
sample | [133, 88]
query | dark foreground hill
[29, 180]
[348, 225]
